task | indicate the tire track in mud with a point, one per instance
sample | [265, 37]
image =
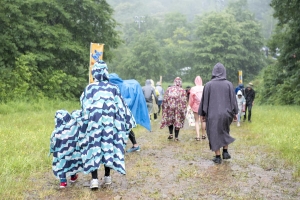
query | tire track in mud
[166, 169]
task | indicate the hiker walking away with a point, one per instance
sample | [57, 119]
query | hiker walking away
[149, 92]
[63, 144]
[161, 92]
[240, 87]
[194, 102]
[155, 100]
[107, 123]
[132, 93]
[249, 96]
[174, 108]
[241, 105]
[219, 107]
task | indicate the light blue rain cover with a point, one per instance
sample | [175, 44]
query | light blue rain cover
[133, 95]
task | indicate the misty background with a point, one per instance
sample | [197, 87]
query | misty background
[45, 44]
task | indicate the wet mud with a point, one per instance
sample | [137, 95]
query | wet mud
[165, 169]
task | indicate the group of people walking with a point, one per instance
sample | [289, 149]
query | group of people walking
[111, 107]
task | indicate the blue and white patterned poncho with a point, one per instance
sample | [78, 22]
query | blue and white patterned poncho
[107, 122]
[63, 144]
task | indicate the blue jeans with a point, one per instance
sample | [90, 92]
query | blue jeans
[159, 102]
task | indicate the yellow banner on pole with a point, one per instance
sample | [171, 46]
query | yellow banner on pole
[96, 53]
[240, 76]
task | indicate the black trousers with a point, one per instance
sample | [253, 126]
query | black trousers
[171, 128]
[132, 137]
[249, 108]
[95, 173]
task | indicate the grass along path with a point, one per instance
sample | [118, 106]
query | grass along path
[183, 170]
[264, 164]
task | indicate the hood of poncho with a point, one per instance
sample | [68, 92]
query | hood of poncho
[148, 82]
[100, 72]
[219, 72]
[198, 81]
[177, 82]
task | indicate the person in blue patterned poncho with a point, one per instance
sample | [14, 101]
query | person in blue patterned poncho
[63, 144]
[107, 122]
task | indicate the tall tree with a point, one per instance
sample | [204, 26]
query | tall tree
[58, 34]
[218, 40]
[231, 37]
[284, 86]
[144, 61]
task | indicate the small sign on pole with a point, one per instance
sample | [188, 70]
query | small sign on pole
[96, 53]
[240, 76]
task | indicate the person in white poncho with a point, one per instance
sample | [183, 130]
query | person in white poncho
[241, 105]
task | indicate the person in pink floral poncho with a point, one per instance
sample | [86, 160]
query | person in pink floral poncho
[174, 108]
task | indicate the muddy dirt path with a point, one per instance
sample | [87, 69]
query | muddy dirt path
[183, 170]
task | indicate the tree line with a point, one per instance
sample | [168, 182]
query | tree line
[281, 80]
[178, 47]
[45, 47]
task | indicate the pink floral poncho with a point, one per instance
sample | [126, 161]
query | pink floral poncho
[174, 105]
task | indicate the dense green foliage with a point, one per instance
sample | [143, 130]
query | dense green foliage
[232, 38]
[176, 47]
[282, 79]
[125, 10]
[45, 45]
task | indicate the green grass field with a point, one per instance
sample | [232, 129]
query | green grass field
[25, 130]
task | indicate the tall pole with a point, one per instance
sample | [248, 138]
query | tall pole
[139, 20]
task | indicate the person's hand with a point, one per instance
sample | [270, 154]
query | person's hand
[235, 118]
[253, 103]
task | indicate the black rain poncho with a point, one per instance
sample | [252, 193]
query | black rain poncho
[219, 106]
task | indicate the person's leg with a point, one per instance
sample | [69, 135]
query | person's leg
[149, 107]
[155, 116]
[217, 159]
[196, 116]
[176, 133]
[94, 182]
[63, 181]
[135, 147]
[171, 127]
[249, 113]
[159, 106]
[246, 106]
[238, 119]
[132, 139]
[203, 127]
[106, 171]
[74, 178]
[225, 153]
[107, 178]
[95, 174]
